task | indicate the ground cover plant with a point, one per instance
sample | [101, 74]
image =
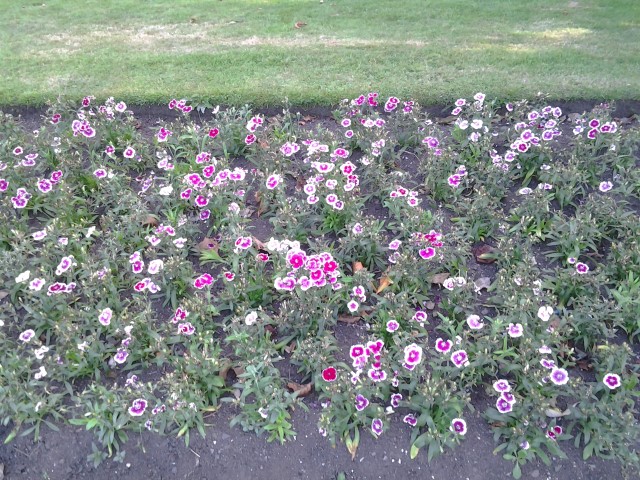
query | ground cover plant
[148, 278]
[235, 50]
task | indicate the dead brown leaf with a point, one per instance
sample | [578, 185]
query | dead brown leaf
[430, 305]
[439, 278]
[584, 365]
[208, 244]
[357, 266]
[291, 347]
[302, 390]
[150, 221]
[299, 25]
[349, 319]
[447, 120]
[482, 282]
[258, 243]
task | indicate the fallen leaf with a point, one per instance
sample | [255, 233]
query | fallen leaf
[350, 319]
[357, 266]
[273, 331]
[263, 143]
[299, 25]
[224, 371]
[556, 413]
[3, 293]
[247, 212]
[584, 365]
[291, 347]
[440, 278]
[384, 283]
[308, 118]
[208, 244]
[430, 305]
[238, 370]
[302, 390]
[150, 220]
[446, 120]
[485, 254]
[258, 243]
[482, 282]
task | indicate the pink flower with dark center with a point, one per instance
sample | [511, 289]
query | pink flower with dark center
[44, 185]
[427, 253]
[559, 376]
[458, 426]
[594, 123]
[410, 419]
[201, 201]
[454, 180]
[138, 407]
[501, 386]
[229, 276]
[509, 397]
[548, 364]
[100, 173]
[273, 181]
[137, 266]
[392, 326]
[105, 316]
[356, 351]
[329, 374]
[443, 346]
[612, 380]
[18, 151]
[515, 330]
[186, 328]
[460, 358]
[582, 268]
[503, 406]
[121, 356]
[208, 171]
[361, 402]
[27, 335]
[377, 427]
[593, 133]
[395, 400]
[474, 322]
[412, 354]
[64, 265]
[249, 139]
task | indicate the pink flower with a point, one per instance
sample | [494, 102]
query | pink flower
[105, 316]
[582, 268]
[443, 346]
[377, 427]
[427, 253]
[410, 419]
[273, 181]
[213, 133]
[329, 374]
[460, 358]
[412, 354]
[392, 326]
[186, 328]
[503, 406]
[138, 407]
[229, 276]
[356, 351]
[458, 426]
[612, 380]
[249, 139]
[559, 376]
[121, 356]
[361, 402]
[501, 386]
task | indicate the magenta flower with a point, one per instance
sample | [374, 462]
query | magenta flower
[503, 405]
[501, 386]
[27, 335]
[454, 180]
[186, 328]
[458, 426]
[377, 375]
[582, 268]
[64, 265]
[361, 402]
[121, 356]
[443, 346]
[515, 330]
[612, 380]
[273, 181]
[105, 316]
[395, 400]
[460, 358]
[138, 407]
[410, 419]
[249, 139]
[474, 322]
[377, 427]
[412, 354]
[509, 397]
[559, 376]
[427, 253]
[329, 374]
[392, 326]
[356, 351]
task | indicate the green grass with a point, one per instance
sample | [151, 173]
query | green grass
[232, 51]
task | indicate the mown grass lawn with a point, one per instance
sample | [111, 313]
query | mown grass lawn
[235, 51]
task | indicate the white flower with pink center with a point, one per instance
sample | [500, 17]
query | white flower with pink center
[353, 306]
[458, 426]
[460, 358]
[155, 266]
[612, 380]
[515, 330]
[559, 376]
[65, 264]
[105, 316]
[412, 354]
[129, 152]
[474, 322]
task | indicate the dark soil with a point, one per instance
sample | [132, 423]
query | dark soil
[230, 453]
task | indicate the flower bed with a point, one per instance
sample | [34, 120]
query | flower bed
[150, 277]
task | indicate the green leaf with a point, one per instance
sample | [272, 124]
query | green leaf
[517, 472]
[414, 451]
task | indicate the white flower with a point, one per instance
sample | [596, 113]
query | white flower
[544, 313]
[90, 231]
[166, 191]
[41, 373]
[39, 353]
[251, 318]
[23, 277]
